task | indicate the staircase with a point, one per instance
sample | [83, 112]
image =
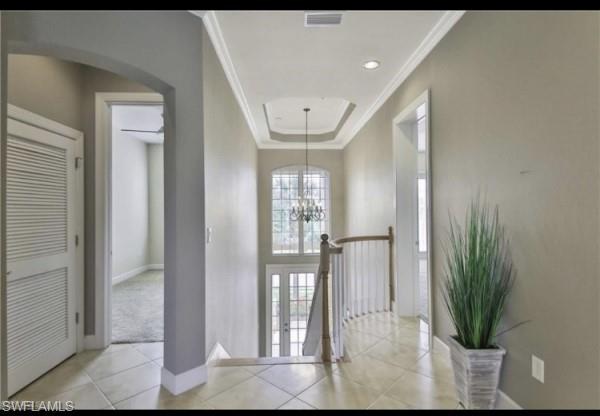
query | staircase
[355, 278]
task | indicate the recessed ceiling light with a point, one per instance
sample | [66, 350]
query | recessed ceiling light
[371, 65]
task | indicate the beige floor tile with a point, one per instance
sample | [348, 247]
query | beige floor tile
[255, 369]
[64, 377]
[148, 399]
[87, 396]
[253, 393]
[388, 403]
[152, 350]
[87, 356]
[160, 398]
[409, 336]
[293, 378]
[397, 354]
[219, 380]
[296, 404]
[436, 365]
[370, 372]
[130, 382]
[423, 392]
[357, 342]
[336, 392]
[111, 364]
[372, 326]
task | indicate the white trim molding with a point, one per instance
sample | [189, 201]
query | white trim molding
[182, 382]
[33, 119]
[211, 23]
[128, 275]
[503, 401]
[443, 26]
[217, 352]
[103, 238]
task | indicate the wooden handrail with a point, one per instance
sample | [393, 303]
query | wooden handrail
[345, 240]
[326, 346]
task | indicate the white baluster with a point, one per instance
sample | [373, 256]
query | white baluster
[381, 284]
[386, 278]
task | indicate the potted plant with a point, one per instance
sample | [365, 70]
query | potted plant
[479, 277]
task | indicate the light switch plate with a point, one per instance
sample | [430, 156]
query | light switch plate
[537, 368]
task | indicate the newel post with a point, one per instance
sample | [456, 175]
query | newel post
[326, 347]
[391, 265]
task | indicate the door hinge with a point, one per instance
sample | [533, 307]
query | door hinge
[76, 240]
[76, 317]
[78, 159]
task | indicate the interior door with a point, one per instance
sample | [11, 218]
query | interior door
[41, 218]
[292, 290]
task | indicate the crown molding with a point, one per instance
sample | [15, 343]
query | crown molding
[446, 22]
[209, 18]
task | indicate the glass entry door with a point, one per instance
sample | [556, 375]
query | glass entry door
[289, 296]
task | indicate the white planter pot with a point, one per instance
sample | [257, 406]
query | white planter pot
[476, 374]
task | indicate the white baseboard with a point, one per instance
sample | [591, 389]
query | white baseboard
[128, 275]
[93, 342]
[180, 383]
[503, 401]
[217, 352]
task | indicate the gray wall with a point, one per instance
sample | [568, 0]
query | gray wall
[130, 220]
[156, 204]
[144, 46]
[95, 80]
[268, 160]
[47, 86]
[65, 92]
[231, 212]
[514, 113]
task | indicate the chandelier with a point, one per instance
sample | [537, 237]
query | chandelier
[306, 208]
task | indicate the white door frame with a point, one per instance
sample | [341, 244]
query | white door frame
[103, 239]
[406, 115]
[24, 116]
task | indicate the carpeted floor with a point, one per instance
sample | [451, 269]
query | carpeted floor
[137, 308]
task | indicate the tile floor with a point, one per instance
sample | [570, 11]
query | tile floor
[390, 368]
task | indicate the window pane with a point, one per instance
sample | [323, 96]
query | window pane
[300, 295]
[284, 195]
[285, 191]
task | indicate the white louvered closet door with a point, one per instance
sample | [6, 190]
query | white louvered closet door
[41, 256]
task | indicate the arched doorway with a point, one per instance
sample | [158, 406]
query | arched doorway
[145, 47]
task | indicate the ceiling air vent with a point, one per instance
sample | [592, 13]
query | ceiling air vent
[322, 18]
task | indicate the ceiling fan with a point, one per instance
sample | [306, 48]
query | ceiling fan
[161, 129]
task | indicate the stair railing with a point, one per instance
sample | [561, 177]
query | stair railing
[355, 277]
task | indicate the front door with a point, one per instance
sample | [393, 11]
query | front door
[290, 297]
[41, 251]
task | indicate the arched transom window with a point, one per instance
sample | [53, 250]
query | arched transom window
[291, 237]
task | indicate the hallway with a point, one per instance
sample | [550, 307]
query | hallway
[389, 369]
